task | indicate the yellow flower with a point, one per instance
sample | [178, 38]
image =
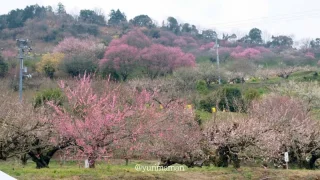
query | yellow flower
[49, 60]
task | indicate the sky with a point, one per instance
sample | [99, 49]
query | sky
[296, 18]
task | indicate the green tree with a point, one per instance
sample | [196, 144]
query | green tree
[142, 21]
[281, 41]
[173, 25]
[245, 39]
[255, 36]
[90, 16]
[230, 99]
[194, 30]
[314, 43]
[116, 17]
[61, 9]
[186, 28]
[209, 34]
[28, 13]
[3, 22]
[15, 18]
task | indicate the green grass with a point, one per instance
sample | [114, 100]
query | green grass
[113, 170]
[204, 115]
[305, 76]
[72, 169]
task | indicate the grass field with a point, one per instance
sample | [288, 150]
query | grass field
[116, 171]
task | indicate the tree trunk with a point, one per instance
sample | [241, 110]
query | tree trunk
[42, 160]
[92, 162]
[312, 161]
[24, 159]
[127, 161]
[236, 161]
[222, 153]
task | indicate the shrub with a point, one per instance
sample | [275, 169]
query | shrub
[208, 102]
[186, 78]
[31, 64]
[49, 63]
[108, 70]
[202, 87]
[47, 95]
[203, 59]
[251, 94]
[3, 67]
[230, 99]
[79, 64]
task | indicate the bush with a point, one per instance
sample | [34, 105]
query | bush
[3, 67]
[49, 63]
[45, 96]
[107, 71]
[251, 94]
[203, 59]
[79, 64]
[208, 102]
[230, 99]
[31, 64]
[186, 78]
[202, 87]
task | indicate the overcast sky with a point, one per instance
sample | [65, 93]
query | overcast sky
[299, 18]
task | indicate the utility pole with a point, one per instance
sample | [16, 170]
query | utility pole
[22, 44]
[218, 60]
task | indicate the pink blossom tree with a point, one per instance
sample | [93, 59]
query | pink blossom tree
[186, 43]
[249, 53]
[166, 38]
[122, 119]
[174, 137]
[134, 38]
[206, 47]
[72, 46]
[99, 123]
[8, 54]
[123, 58]
[310, 55]
[180, 143]
[160, 60]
